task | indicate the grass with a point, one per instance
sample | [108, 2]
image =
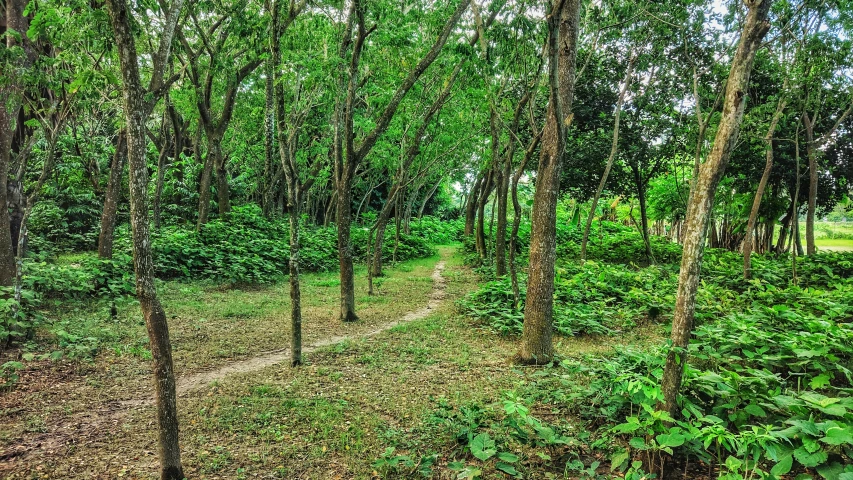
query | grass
[328, 419]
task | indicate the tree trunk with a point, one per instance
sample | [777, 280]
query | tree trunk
[644, 212]
[427, 197]
[702, 199]
[111, 197]
[516, 220]
[480, 233]
[536, 337]
[762, 184]
[471, 207]
[269, 132]
[222, 192]
[613, 149]
[137, 112]
[158, 188]
[213, 152]
[344, 220]
[812, 154]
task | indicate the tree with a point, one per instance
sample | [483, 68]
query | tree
[137, 109]
[536, 342]
[348, 156]
[704, 188]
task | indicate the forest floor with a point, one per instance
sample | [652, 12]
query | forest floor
[244, 412]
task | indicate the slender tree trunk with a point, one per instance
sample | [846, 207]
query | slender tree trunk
[480, 233]
[536, 337]
[811, 153]
[213, 152]
[269, 132]
[222, 191]
[644, 213]
[702, 199]
[295, 292]
[137, 112]
[162, 162]
[762, 184]
[626, 83]
[111, 198]
[516, 220]
[471, 207]
[426, 199]
[381, 225]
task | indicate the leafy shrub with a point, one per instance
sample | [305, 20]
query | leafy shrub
[438, 232]
[249, 248]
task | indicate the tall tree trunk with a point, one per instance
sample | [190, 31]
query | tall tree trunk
[762, 184]
[614, 146]
[269, 132]
[702, 198]
[644, 212]
[111, 197]
[137, 111]
[811, 153]
[471, 206]
[480, 233]
[213, 152]
[223, 193]
[516, 220]
[427, 198]
[162, 162]
[343, 219]
[536, 337]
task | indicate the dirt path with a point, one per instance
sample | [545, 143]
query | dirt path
[199, 380]
[89, 427]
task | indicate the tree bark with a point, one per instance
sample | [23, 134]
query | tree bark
[702, 198]
[137, 112]
[762, 184]
[9, 108]
[516, 220]
[812, 154]
[111, 197]
[480, 233]
[536, 338]
[213, 151]
[471, 206]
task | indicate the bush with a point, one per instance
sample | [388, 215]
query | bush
[249, 248]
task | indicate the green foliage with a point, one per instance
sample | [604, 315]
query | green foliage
[438, 232]
[249, 248]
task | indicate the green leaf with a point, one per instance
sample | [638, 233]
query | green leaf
[506, 468]
[810, 460]
[783, 467]
[508, 457]
[638, 442]
[755, 410]
[674, 438]
[838, 436]
[483, 447]
[820, 381]
[618, 459]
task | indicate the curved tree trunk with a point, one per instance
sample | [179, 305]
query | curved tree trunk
[480, 233]
[759, 193]
[536, 337]
[702, 199]
[626, 83]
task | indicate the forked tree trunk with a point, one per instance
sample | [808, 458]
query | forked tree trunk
[702, 199]
[762, 184]
[536, 338]
[137, 112]
[111, 198]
